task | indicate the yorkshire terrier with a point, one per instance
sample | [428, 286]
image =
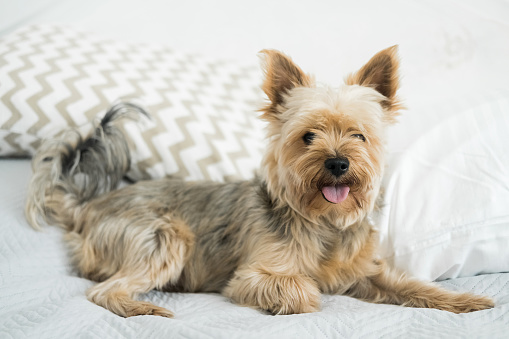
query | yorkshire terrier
[276, 242]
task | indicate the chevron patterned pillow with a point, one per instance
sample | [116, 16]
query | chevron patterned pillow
[204, 122]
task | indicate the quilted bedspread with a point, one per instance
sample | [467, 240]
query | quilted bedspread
[42, 297]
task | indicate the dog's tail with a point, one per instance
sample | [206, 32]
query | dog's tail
[71, 170]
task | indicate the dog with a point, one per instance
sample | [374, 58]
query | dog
[300, 228]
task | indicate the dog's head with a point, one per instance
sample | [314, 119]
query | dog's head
[326, 146]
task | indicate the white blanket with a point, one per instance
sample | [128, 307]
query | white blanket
[42, 297]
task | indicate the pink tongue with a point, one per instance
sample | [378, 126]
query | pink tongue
[335, 194]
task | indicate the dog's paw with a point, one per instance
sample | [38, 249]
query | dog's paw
[463, 303]
[470, 303]
[277, 294]
[288, 302]
[146, 308]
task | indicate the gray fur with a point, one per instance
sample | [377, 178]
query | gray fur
[82, 167]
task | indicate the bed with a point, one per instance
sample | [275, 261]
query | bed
[445, 216]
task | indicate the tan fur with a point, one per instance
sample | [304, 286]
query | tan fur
[273, 243]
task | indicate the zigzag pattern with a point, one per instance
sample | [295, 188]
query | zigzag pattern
[204, 124]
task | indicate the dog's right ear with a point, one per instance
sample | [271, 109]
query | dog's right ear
[281, 75]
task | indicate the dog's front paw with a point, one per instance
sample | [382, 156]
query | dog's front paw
[278, 294]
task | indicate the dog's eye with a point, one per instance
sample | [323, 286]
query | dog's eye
[359, 136]
[308, 138]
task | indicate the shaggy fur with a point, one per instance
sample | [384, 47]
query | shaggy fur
[276, 242]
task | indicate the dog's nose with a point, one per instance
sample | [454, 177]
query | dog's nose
[337, 166]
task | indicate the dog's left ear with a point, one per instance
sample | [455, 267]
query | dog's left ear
[281, 76]
[382, 74]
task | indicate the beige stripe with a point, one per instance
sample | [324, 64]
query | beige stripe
[214, 158]
[10, 139]
[99, 89]
[70, 82]
[148, 135]
[46, 89]
[18, 84]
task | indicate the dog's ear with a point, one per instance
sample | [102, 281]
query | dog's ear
[382, 74]
[281, 75]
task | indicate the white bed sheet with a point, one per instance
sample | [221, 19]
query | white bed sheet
[42, 297]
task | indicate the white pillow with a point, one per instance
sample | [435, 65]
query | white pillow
[446, 210]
